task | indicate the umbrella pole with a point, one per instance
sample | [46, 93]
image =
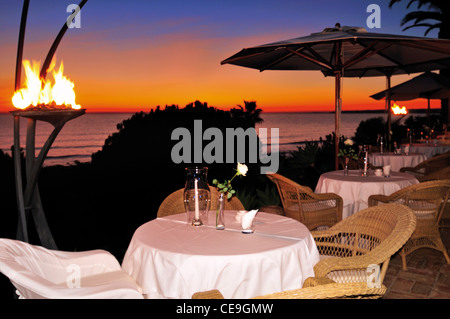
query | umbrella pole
[428, 113]
[388, 110]
[337, 115]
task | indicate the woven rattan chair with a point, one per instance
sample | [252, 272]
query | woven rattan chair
[429, 166]
[174, 203]
[368, 237]
[436, 175]
[328, 291]
[301, 203]
[427, 200]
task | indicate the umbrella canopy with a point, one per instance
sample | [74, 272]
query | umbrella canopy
[348, 52]
[428, 85]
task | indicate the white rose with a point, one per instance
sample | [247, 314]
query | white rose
[348, 142]
[242, 169]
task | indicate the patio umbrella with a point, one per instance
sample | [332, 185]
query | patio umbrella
[428, 85]
[348, 52]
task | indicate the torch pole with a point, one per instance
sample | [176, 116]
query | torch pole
[29, 200]
[22, 233]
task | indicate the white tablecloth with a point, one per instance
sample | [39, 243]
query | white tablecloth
[171, 259]
[429, 150]
[396, 161]
[356, 189]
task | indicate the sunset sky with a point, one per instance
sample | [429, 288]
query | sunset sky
[135, 55]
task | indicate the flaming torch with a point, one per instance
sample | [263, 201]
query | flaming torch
[52, 102]
[397, 110]
[39, 100]
[41, 94]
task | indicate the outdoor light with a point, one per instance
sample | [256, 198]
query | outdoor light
[39, 99]
[397, 110]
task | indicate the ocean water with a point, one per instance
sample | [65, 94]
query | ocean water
[85, 135]
[77, 140]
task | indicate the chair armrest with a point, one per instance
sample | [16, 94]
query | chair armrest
[317, 281]
[416, 171]
[91, 262]
[325, 196]
[330, 290]
[373, 200]
[210, 294]
[348, 264]
[332, 244]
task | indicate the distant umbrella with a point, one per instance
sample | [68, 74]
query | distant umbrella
[428, 86]
[348, 52]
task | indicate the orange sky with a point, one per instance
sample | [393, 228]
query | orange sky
[132, 74]
[143, 78]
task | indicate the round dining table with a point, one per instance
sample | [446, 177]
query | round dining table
[430, 149]
[169, 258]
[355, 189]
[397, 161]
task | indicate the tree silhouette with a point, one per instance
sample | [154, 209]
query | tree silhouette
[439, 14]
[438, 10]
[247, 115]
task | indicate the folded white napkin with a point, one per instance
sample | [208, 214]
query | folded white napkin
[247, 219]
[407, 149]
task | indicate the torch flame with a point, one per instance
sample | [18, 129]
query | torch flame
[38, 92]
[397, 110]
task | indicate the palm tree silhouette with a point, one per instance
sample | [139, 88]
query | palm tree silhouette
[249, 114]
[437, 17]
[439, 11]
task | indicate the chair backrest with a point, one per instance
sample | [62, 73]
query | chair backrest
[429, 198]
[301, 203]
[291, 193]
[432, 164]
[388, 226]
[174, 203]
[368, 237]
[426, 199]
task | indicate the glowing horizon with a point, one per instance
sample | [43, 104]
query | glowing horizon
[137, 64]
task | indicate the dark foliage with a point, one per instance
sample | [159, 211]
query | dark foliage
[100, 204]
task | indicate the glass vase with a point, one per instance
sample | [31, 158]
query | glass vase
[220, 219]
[197, 196]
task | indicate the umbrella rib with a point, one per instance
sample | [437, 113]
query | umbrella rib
[231, 60]
[397, 63]
[317, 55]
[365, 53]
[267, 66]
[425, 47]
[310, 58]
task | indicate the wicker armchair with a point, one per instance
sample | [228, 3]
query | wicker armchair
[174, 203]
[301, 203]
[369, 237]
[427, 200]
[430, 165]
[436, 175]
[328, 291]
